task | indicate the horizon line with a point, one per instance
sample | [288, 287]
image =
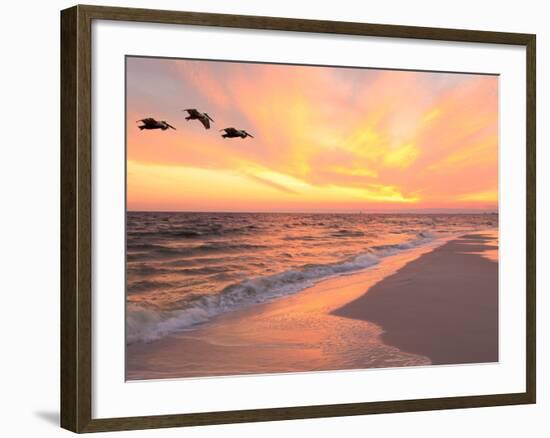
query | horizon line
[424, 211]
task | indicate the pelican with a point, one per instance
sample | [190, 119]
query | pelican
[150, 123]
[204, 118]
[232, 133]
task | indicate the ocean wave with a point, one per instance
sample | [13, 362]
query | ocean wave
[137, 287]
[147, 285]
[139, 251]
[145, 325]
[191, 232]
[305, 237]
[347, 233]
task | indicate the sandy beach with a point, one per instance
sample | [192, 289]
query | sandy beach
[429, 305]
[443, 305]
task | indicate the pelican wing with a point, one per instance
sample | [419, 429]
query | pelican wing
[205, 122]
[192, 112]
[147, 121]
[230, 130]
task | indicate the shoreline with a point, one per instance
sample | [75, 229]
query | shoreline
[324, 327]
[444, 305]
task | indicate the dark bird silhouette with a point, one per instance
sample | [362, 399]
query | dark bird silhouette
[204, 118]
[150, 123]
[232, 133]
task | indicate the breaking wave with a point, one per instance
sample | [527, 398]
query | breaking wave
[148, 324]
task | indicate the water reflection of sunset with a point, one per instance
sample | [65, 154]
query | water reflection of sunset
[326, 139]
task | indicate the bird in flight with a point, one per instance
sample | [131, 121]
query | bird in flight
[232, 133]
[150, 123]
[204, 118]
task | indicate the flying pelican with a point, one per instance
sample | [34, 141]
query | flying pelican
[232, 133]
[204, 118]
[150, 123]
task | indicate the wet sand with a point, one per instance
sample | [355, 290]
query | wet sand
[443, 305]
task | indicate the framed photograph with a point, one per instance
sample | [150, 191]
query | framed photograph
[269, 218]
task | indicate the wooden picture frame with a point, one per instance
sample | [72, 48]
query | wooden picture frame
[76, 217]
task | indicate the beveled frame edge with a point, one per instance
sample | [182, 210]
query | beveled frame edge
[76, 165]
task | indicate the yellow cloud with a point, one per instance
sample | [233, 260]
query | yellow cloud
[403, 156]
[485, 196]
[252, 188]
[354, 171]
[484, 151]
[433, 114]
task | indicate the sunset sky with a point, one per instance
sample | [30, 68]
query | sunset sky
[326, 139]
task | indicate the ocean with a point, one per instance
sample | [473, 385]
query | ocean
[186, 269]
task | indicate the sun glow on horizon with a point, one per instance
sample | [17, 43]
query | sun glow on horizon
[335, 139]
